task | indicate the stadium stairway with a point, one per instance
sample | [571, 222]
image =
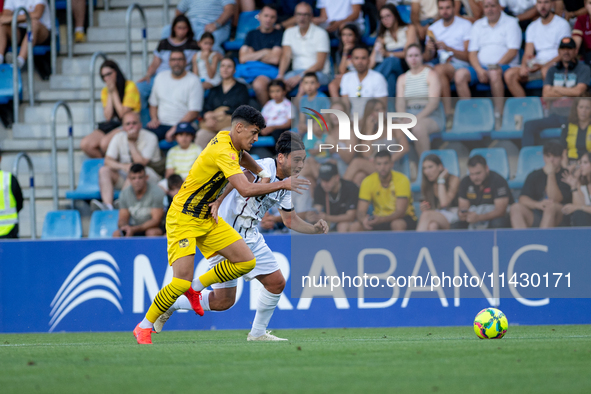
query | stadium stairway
[71, 83]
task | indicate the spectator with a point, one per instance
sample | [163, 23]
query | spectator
[389, 193]
[303, 205]
[447, 40]
[582, 33]
[287, 9]
[363, 164]
[394, 36]
[422, 14]
[544, 193]
[494, 44]
[206, 62]
[306, 47]
[580, 184]
[484, 197]
[221, 102]
[180, 158]
[133, 145]
[181, 37]
[11, 204]
[261, 53]
[141, 210]
[177, 97]
[335, 14]
[349, 39]
[568, 78]
[173, 186]
[79, 11]
[570, 9]
[524, 10]
[419, 92]
[542, 39]
[312, 98]
[472, 9]
[213, 16]
[118, 98]
[336, 199]
[40, 26]
[439, 208]
[272, 222]
[277, 111]
[576, 136]
[363, 82]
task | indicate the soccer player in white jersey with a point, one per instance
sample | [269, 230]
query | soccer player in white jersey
[244, 214]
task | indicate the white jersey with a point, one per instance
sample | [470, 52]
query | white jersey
[245, 213]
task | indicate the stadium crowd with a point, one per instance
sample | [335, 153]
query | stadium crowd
[320, 53]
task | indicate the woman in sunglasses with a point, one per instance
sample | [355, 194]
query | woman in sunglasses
[118, 98]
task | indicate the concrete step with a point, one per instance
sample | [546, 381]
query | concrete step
[67, 95]
[42, 162]
[77, 82]
[28, 144]
[89, 48]
[116, 18]
[30, 131]
[80, 65]
[119, 34]
[42, 113]
[114, 4]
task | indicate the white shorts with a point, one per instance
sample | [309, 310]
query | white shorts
[265, 262]
[451, 214]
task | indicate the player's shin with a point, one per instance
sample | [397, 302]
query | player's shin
[224, 271]
[166, 298]
[266, 304]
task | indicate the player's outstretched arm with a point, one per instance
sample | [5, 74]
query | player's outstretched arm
[214, 206]
[294, 222]
[247, 189]
[250, 164]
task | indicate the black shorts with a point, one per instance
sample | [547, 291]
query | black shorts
[411, 224]
[22, 33]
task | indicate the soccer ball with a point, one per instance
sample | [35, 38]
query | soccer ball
[490, 323]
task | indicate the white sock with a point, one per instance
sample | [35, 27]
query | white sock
[265, 307]
[181, 303]
[146, 323]
[197, 285]
[1, 59]
[20, 61]
[109, 207]
[205, 300]
[79, 29]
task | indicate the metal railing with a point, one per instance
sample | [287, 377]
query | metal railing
[130, 9]
[93, 59]
[15, 164]
[165, 12]
[90, 13]
[30, 61]
[54, 150]
[106, 5]
[53, 37]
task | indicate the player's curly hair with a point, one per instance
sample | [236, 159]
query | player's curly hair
[289, 141]
[249, 115]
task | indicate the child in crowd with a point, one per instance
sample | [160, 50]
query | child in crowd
[277, 111]
[174, 183]
[206, 62]
[312, 98]
[181, 157]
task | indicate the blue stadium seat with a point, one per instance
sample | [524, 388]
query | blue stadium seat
[246, 22]
[266, 141]
[88, 182]
[6, 91]
[404, 11]
[450, 161]
[496, 158]
[103, 224]
[403, 166]
[530, 158]
[528, 107]
[473, 120]
[551, 133]
[62, 225]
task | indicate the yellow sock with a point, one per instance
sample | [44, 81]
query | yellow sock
[225, 271]
[166, 297]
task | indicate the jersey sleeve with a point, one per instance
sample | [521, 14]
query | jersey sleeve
[365, 190]
[285, 202]
[403, 187]
[463, 189]
[501, 188]
[227, 160]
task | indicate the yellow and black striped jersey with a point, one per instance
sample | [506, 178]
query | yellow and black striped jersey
[208, 176]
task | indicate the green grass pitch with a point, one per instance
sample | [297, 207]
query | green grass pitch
[530, 359]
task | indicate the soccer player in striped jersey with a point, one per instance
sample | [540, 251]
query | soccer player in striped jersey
[244, 214]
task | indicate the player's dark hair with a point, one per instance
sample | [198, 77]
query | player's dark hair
[136, 168]
[174, 181]
[383, 153]
[207, 35]
[310, 74]
[288, 142]
[475, 160]
[277, 82]
[553, 149]
[250, 115]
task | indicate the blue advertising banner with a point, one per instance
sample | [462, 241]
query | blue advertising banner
[108, 285]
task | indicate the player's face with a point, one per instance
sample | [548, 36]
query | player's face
[249, 134]
[295, 162]
[544, 7]
[383, 166]
[431, 170]
[138, 181]
[478, 174]
[446, 9]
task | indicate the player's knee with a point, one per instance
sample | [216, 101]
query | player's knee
[246, 266]
[226, 303]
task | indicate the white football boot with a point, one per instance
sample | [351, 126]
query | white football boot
[267, 336]
[163, 318]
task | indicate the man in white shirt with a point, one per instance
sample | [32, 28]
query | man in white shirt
[447, 39]
[334, 14]
[177, 96]
[40, 26]
[363, 82]
[306, 47]
[494, 48]
[524, 10]
[132, 145]
[542, 39]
